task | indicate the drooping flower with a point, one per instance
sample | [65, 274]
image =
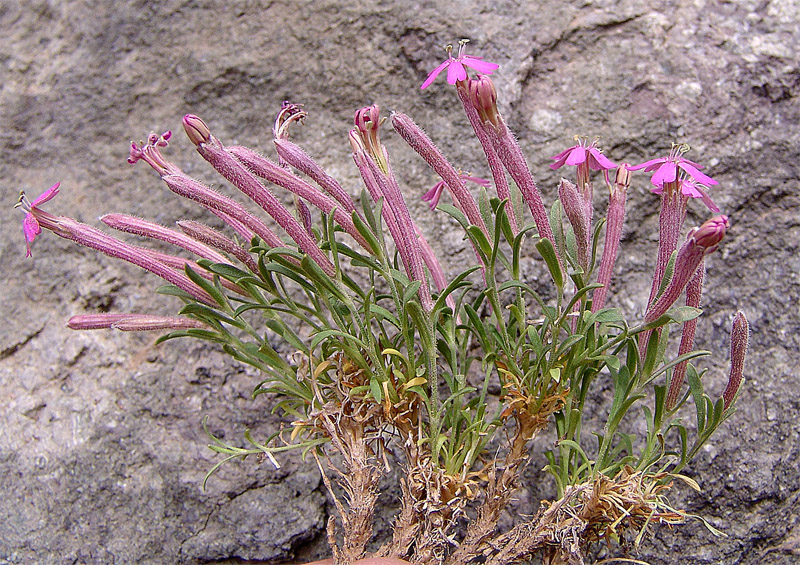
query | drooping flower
[692, 190]
[680, 174]
[30, 225]
[585, 156]
[455, 66]
[433, 195]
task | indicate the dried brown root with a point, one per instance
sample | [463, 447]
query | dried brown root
[359, 481]
[531, 416]
[601, 509]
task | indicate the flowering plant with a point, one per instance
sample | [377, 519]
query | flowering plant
[380, 359]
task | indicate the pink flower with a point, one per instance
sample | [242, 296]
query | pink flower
[675, 169]
[433, 195]
[583, 153]
[30, 225]
[692, 190]
[455, 66]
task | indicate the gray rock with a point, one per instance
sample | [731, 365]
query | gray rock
[102, 453]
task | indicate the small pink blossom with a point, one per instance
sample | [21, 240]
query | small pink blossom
[692, 190]
[674, 168]
[455, 66]
[30, 225]
[433, 195]
[583, 153]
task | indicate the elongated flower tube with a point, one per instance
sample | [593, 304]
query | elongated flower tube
[213, 238]
[435, 268]
[740, 335]
[364, 140]
[272, 172]
[476, 120]
[699, 243]
[615, 219]
[180, 264]
[230, 211]
[425, 148]
[676, 179]
[295, 156]
[574, 207]
[132, 322]
[510, 154]
[299, 159]
[95, 239]
[237, 174]
[694, 293]
[144, 228]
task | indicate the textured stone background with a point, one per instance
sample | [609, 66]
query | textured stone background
[102, 452]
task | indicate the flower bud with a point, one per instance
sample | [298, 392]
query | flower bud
[484, 97]
[711, 232]
[740, 333]
[196, 129]
[367, 120]
[623, 178]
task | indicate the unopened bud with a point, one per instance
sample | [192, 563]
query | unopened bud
[484, 97]
[196, 129]
[740, 334]
[367, 120]
[623, 178]
[711, 232]
[132, 322]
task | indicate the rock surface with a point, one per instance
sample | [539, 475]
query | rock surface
[102, 454]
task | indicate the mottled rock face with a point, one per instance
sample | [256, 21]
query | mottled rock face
[102, 454]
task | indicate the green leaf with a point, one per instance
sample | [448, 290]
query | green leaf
[212, 290]
[454, 285]
[609, 315]
[481, 242]
[696, 389]
[363, 229]
[325, 334]
[548, 253]
[411, 291]
[228, 272]
[172, 290]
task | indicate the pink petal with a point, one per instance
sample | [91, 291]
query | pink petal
[479, 65]
[433, 195]
[456, 72]
[657, 190]
[693, 190]
[30, 225]
[47, 195]
[695, 174]
[576, 156]
[561, 158]
[665, 173]
[599, 162]
[31, 228]
[646, 164]
[477, 180]
[434, 73]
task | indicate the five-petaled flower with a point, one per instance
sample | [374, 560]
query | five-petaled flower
[30, 225]
[583, 153]
[585, 156]
[679, 173]
[433, 195]
[455, 66]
